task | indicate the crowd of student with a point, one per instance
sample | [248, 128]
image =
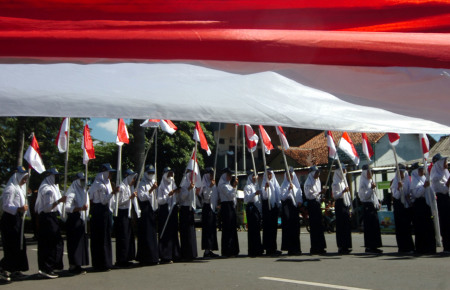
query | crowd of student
[166, 228]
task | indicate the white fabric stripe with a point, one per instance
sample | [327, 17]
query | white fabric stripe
[311, 283]
[303, 96]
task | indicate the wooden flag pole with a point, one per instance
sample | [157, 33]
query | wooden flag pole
[156, 168]
[22, 228]
[66, 165]
[287, 168]
[235, 150]
[87, 196]
[217, 152]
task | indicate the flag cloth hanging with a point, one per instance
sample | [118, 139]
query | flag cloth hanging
[330, 144]
[190, 166]
[347, 146]
[151, 123]
[425, 145]
[62, 137]
[366, 147]
[199, 136]
[33, 156]
[87, 145]
[266, 140]
[251, 138]
[168, 126]
[122, 133]
[282, 135]
[394, 138]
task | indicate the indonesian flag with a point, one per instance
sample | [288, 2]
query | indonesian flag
[425, 145]
[394, 138]
[251, 138]
[122, 134]
[266, 140]
[366, 147]
[193, 165]
[62, 137]
[151, 123]
[347, 146]
[33, 156]
[331, 147]
[199, 136]
[168, 126]
[283, 138]
[87, 145]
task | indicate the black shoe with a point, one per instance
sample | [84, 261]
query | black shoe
[294, 253]
[77, 271]
[49, 275]
[317, 252]
[4, 276]
[374, 251]
[344, 251]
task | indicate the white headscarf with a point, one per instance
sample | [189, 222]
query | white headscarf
[102, 178]
[438, 172]
[168, 184]
[405, 188]
[146, 183]
[48, 184]
[313, 183]
[126, 190]
[223, 179]
[186, 182]
[286, 184]
[365, 182]
[274, 191]
[257, 199]
[76, 194]
[206, 185]
[339, 185]
[13, 185]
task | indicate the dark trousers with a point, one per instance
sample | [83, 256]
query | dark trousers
[230, 244]
[255, 247]
[125, 244]
[14, 259]
[423, 227]
[77, 240]
[147, 252]
[101, 247]
[50, 243]
[270, 227]
[443, 204]
[343, 225]
[372, 232]
[169, 245]
[403, 226]
[317, 235]
[290, 223]
[188, 238]
[209, 228]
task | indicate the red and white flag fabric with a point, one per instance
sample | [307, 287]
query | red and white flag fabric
[62, 138]
[394, 138]
[122, 133]
[425, 145]
[251, 138]
[33, 156]
[331, 147]
[199, 136]
[87, 145]
[283, 138]
[266, 140]
[366, 147]
[347, 146]
[193, 165]
[151, 123]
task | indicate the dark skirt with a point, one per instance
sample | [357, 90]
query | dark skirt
[101, 247]
[230, 243]
[125, 244]
[188, 238]
[255, 247]
[50, 243]
[209, 228]
[372, 233]
[403, 226]
[423, 227]
[443, 204]
[147, 252]
[290, 223]
[169, 245]
[270, 227]
[14, 258]
[77, 240]
[317, 236]
[343, 225]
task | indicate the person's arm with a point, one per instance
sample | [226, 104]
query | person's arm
[249, 194]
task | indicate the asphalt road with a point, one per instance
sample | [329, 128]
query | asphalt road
[331, 271]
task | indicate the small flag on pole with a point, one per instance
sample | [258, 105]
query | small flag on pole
[394, 138]
[366, 147]
[166, 125]
[199, 136]
[87, 145]
[425, 145]
[33, 156]
[251, 138]
[266, 140]
[190, 166]
[330, 144]
[282, 135]
[62, 137]
[151, 123]
[122, 134]
[347, 146]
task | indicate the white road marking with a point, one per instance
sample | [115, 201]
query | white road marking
[311, 283]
